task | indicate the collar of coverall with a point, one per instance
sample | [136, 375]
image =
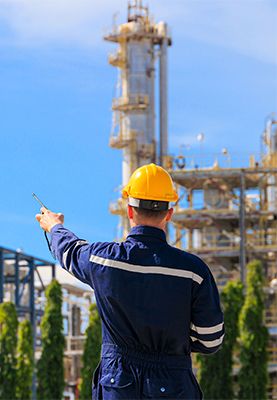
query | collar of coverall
[146, 230]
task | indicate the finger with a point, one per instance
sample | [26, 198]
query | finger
[38, 217]
[43, 210]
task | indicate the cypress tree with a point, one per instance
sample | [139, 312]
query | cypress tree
[25, 361]
[91, 355]
[215, 372]
[50, 366]
[253, 375]
[8, 340]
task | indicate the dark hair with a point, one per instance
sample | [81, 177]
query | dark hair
[156, 215]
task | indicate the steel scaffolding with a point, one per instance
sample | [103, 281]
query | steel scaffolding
[18, 272]
[228, 216]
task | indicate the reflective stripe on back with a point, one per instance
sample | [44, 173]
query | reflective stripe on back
[146, 269]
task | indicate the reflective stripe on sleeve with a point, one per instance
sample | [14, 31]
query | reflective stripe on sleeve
[146, 269]
[78, 243]
[207, 330]
[209, 343]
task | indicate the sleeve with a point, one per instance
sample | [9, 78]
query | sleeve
[72, 253]
[207, 326]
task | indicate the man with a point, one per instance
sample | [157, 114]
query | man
[157, 303]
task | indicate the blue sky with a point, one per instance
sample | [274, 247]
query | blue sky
[56, 89]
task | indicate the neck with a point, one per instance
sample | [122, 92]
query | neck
[161, 226]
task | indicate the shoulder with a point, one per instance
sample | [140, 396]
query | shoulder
[107, 249]
[190, 261]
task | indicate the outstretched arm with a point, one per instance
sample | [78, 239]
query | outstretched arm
[73, 253]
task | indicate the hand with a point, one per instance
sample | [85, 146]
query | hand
[47, 219]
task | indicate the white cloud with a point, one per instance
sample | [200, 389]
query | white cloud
[247, 26]
[80, 22]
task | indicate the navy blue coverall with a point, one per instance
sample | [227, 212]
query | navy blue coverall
[157, 304]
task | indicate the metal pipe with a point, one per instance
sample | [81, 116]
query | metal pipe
[26, 256]
[151, 114]
[16, 273]
[242, 252]
[163, 145]
[53, 271]
[1, 276]
[32, 318]
[39, 277]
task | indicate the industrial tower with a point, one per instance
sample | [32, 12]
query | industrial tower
[141, 43]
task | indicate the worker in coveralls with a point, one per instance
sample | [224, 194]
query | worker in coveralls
[157, 303]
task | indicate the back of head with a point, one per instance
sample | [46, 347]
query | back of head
[149, 192]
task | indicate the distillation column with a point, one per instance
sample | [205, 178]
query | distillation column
[271, 142]
[140, 43]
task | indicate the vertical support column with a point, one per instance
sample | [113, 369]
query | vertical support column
[32, 317]
[1, 276]
[242, 256]
[163, 98]
[152, 113]
[190, 239]
[53, 266]
[16, 274]
[190, 231]
[178, 238]
[32, 294]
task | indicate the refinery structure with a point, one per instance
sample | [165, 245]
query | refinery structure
[226, 215]
[23, 281]
[141, 44]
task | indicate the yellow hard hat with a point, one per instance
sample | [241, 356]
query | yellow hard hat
[150, 182]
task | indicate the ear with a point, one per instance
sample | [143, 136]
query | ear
[130, 212]
[169, 214]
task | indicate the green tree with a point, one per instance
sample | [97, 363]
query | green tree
[253, 375]
[91, 354]
[8, 340]
[25, 361]
[50, 366]
[219, 383]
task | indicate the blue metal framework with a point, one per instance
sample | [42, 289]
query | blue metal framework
[12, 264]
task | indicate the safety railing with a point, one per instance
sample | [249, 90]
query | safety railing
[262, 238]
[199, 210]
[256, 240]
[119, 140]
[216, 241]
[74, 345]
[131, 102]
[270, 160]
[272, 391]
[117, 59]
[271, 317]
[272, 355]
[194, 159]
